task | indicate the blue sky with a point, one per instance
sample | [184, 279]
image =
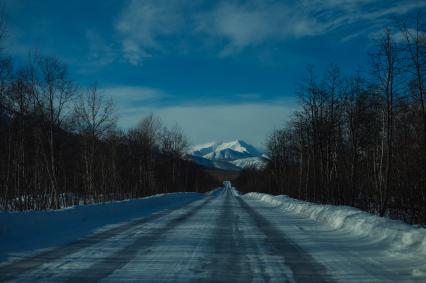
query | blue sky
[222, 70]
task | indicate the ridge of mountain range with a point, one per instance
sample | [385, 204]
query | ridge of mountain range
[234, 155]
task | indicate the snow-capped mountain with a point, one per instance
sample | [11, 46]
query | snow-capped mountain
[233, 155]
[256, 162]
[218, 164]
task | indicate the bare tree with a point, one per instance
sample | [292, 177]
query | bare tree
[52, 91]
[144, 143]
[415, 48]
[173, 145]
[173, 141]
[386, 69]
[94, 118]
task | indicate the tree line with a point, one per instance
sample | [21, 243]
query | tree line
[60, 145]
[357, 139]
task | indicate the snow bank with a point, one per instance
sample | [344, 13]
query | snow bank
[32, 230]
[397, 235]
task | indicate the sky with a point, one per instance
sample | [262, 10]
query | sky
[221, 70]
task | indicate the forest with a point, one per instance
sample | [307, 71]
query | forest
[60, 144]
[358, 139]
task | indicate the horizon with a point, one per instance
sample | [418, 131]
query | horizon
[235, 65]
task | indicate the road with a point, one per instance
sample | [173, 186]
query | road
[221, 238]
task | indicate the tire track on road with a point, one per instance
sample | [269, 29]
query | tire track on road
[120, 258]
[14, 269]
[301, 263]
[229, 252]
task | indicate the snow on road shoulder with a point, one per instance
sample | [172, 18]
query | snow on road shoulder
[22, 232]
[398, 238]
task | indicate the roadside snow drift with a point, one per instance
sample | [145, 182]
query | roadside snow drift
[396, 235]
[33, 230]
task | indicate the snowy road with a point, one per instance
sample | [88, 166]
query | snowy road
[222, 237]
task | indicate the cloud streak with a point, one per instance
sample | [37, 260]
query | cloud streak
[142, 23]
[236, 25]
[127, 97]
[253, 22]
[101, 53]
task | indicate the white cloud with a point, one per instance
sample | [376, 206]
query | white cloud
[142, 22]
[253, 22]
[252, 122]
[235, 25]
[242, 25]
[126, 97]
[100, 52]
[133, 52]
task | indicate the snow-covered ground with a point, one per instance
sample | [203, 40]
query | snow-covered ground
[360, 233]
[221, 236]
[23, 232]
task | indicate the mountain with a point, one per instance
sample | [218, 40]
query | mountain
[233, 155]
[217, 164]
[256, 162]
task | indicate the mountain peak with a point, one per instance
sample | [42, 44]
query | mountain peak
[236, 152]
